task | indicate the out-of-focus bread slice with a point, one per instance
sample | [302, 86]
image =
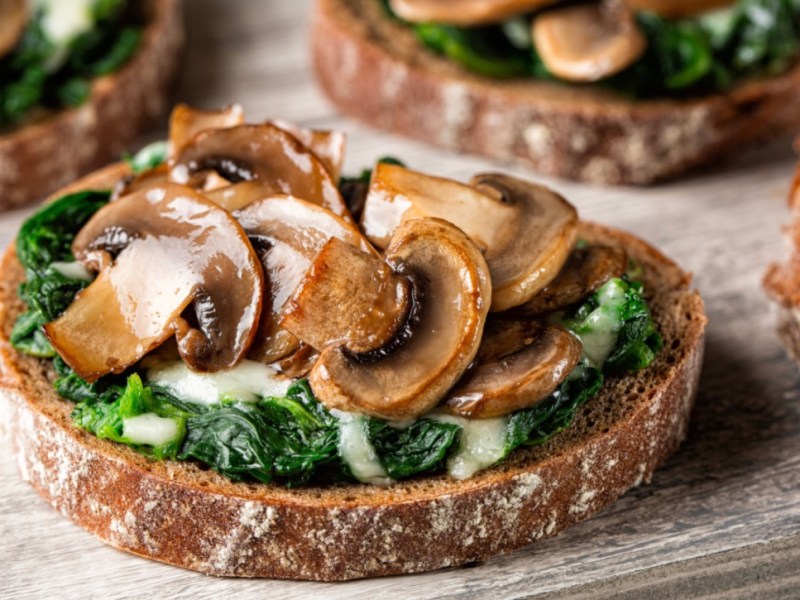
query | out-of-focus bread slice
[39, 157]
[376, 70]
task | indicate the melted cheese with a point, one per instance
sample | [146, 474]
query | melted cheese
[357, 451]
[481, 444]
[149, 429]
[604, 324]
[248, 381]
[72, 270]
[62, 22]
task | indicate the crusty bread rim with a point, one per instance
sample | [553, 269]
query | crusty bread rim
[181, 514]
[38, 157]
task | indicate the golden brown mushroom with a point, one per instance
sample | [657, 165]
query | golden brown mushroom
[588, 42]
[464, 12]
[13, 19]
[170, 263]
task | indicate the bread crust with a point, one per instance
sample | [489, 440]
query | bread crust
[374, 69]
[180, 514]
[39, 157]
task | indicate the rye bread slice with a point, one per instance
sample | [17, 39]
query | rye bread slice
[182, 514]
[39, 157]
[375, 69]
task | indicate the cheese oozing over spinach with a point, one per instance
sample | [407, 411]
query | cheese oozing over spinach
[150, 429]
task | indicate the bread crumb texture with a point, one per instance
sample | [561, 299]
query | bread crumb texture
[179, 513]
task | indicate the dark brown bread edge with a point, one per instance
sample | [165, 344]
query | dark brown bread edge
[375, 70]
[180, 514]
[40, 157]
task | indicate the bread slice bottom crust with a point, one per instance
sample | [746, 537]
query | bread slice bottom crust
[38, 157]
[376, 70]
[182, 514]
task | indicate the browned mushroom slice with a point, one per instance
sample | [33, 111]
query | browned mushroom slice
[397, 194]
[298, 363]
[585, 271]
[519, 364]
[348, 298]
[186, 122]
[236, 196]
[329, 146]
[464, 12]
[265, 153]
[411, 380]
[288, 234]
[678, 9]
[532, 253]
[13, 18]
[588, 42]
[171, 263]
[526, 231]
[132, 182]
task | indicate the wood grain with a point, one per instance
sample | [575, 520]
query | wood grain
[720, 520]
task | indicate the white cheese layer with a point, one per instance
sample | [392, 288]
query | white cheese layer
[62, 22]
[357, 451]
[72, 270]
[481, 444]
[603, 324]
[246, 382]
[149, 429]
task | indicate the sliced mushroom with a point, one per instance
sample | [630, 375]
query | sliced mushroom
[588, 42]
[464, 12]
[171, 264]
[13, 19]
[260, 152]
[238, 195]
[329, 146]
[413, 379]
[348, 298]
[397, 194]
[584, 272]
[519, 364]
[526, 231]
[186, 122]
[678, 9]
[298, 363]
[132, 182]
[288, 234]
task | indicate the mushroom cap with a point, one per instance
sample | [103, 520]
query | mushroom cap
[263, 152]
[411, 380]
[677, 9]
[186, 122]
[530, 255]
[329, 146]
[289, 233]
[584, 272]
[519, 364]
[13, 19]
[464, 12]
[159, 252]
[588, 42]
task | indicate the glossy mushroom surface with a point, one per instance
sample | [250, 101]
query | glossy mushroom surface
[170, 263]
[348, 298]
[588, 42]
[519, 364]
[410, 381]
[288, 233]
[329, 146]
[186, 122]
[268, 154]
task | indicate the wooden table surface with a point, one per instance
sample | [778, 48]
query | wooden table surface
[720, 520]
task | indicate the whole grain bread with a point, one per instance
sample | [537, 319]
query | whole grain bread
[40, 156]
[375, 69]
[182, 514]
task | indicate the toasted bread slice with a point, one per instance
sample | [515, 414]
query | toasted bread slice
[39, 157]
[181, 514]
[376, 70]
